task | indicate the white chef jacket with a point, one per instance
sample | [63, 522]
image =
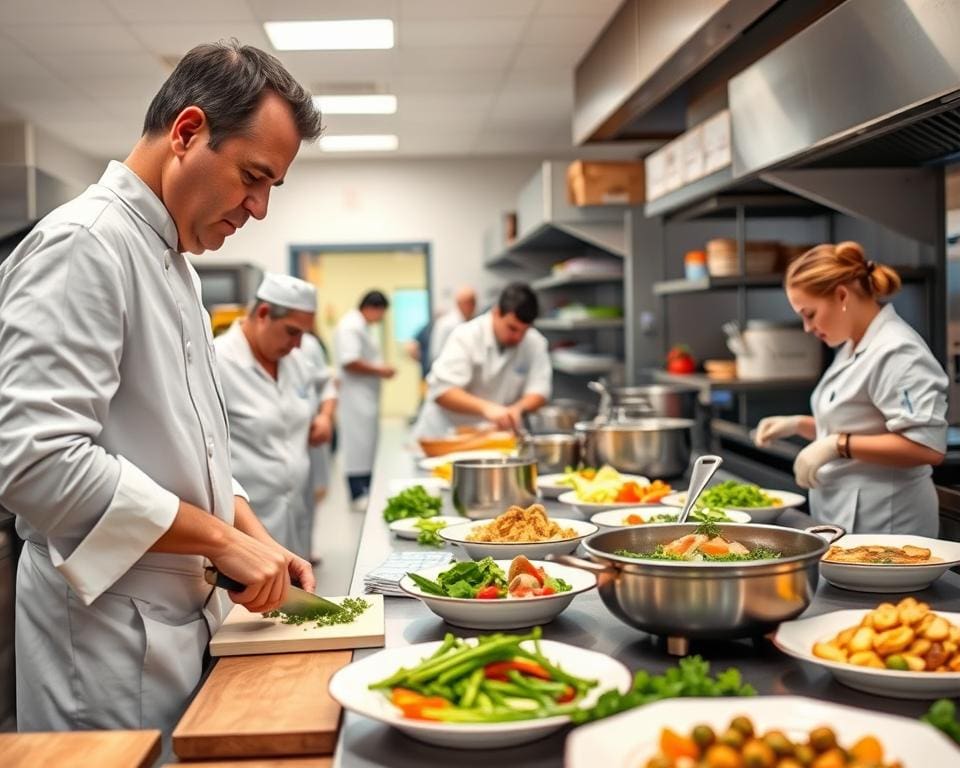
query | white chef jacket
[359, 395]
[442, 329]
[889, 383]
[326, 386]
[473, 360]
[110, 413]
[269, 430]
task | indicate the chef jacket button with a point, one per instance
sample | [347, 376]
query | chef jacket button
[189, 353]
[166, 261]
[209, 451]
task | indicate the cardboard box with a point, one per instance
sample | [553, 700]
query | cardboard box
[605, 183]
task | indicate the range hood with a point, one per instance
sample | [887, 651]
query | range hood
[37, 173]
[869, 84]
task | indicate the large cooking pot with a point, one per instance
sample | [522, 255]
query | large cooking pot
[487, 487]
[558, 416]
[653, 447]
[681, 599]
[671, 400]
[553, 452]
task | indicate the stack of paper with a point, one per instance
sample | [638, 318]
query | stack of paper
[385, 578]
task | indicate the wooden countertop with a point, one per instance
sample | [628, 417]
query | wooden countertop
[103, 749]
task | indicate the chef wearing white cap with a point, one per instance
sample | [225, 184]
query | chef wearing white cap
[271, 390]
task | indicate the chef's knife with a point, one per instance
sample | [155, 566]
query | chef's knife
[299, 602]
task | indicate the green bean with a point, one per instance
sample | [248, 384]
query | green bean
[449, 641]
[433, 668]
[472, 688]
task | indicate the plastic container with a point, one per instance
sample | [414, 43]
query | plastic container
[695, 265]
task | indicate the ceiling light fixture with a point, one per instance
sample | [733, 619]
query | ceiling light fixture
[348, 35]
[370, 142]
[359, 104]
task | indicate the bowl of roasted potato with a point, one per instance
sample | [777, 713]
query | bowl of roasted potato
[905, 650]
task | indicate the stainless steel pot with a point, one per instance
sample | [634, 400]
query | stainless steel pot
[670, 400]
[558, 416]
[691, 599]
[553, 453]
[487, 487]
[652, 447]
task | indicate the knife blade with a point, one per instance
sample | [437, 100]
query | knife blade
[299, 602]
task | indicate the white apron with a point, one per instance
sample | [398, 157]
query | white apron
[889, 383]
[358, 404]
[110, 413]
[472, 360]
[326, 389]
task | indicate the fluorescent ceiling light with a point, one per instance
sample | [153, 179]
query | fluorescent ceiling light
[352, 35]
[360, 143]
[362, 104]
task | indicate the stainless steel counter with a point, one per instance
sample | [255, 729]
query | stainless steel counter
[588, 624]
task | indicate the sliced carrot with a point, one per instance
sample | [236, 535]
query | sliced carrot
[497, 670]
[716, 546]
[685, 544]
[674, 746]
[633, 519]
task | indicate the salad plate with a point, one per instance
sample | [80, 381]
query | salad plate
[406, 528]
[760, 513]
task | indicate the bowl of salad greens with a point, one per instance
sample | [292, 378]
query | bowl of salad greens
[498, 594]
[662, 514]
[763, 504]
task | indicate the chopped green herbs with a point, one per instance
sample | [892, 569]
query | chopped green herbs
[480, 578]
[412, 502]
[759, 553]
[428, 532]
[690, 678]
[350, 609]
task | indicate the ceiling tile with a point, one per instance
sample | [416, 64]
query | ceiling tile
[603, 8]
[55, 12]
[67, 108]
[440, 34]
[99, 138]
[134, 11]
[78, 38]
[447, 82]
[142, 87]
[523, 107]
[177, 39]
[432, 105]
[318, 70]
[101, 65]
[366, 124]
[574, 31]
[563, 57]
[455, 9]
[460, 59]
[309, 10]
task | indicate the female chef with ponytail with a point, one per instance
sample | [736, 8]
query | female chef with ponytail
[879, 411]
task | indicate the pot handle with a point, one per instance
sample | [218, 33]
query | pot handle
[830, 533]
[578, 562]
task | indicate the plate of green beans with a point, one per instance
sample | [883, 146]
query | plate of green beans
[482, 692]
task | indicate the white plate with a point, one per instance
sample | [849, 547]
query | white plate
[587, 508]
[433, 462]
[551, 487]
[507, 613]
[864, 577]
[432, 485]
[406, 528]
[797, 637]
[350, 687]
[762, 515]
[632, 738]
[536, 550]
[616, 518]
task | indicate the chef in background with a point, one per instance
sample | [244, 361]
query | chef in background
[879, 411]
[465, 301]
[492, 369]
[273, 405]
[114, 450]
[361, 369]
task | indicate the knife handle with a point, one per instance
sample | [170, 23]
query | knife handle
[217, 579]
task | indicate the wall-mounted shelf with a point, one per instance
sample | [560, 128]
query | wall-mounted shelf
[561, 280]
[583, 370]
[588, 324]
[705, 383]
[554, 240]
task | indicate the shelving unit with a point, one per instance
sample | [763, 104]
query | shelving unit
[584, 370]
[589, 324]
[565, 281]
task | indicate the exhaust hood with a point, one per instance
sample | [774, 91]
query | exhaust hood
[869, 84]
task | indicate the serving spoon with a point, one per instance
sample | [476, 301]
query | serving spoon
[704, 468]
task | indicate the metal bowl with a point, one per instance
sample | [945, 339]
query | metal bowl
[665, 400]
[553, 452]
[681, 599]
[559, 416]
[487, 487]
[651, 447]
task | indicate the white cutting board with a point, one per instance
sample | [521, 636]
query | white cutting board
[245, 633]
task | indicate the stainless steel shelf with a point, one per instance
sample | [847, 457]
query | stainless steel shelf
[680, 286]
[702, 381]
[561, 281]
[559, 324]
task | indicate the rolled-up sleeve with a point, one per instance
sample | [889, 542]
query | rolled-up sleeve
[62, 330]
[453, 368]
[910, 389]
[540, 376]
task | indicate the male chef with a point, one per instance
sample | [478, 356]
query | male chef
[271, 391]
[492, 369]
[114, 450]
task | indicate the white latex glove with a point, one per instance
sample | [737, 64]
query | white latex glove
[776, 427]
[811, 458]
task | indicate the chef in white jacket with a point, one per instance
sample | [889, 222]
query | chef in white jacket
[321, 436]
[465, 306]
[272, 404]
[879, 411]
[361, 369]
[492, 369]
[114, 448]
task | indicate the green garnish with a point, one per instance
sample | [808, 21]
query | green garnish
[733, 494]
[943, 715]
[690, 678]
[412, 502]
[428, 532]
[350, 609]
[708, 528]
[760, 553]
